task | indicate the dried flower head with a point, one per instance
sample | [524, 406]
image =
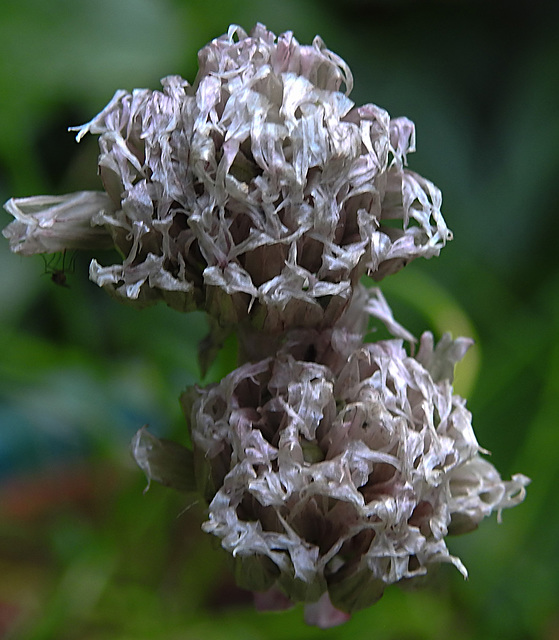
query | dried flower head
[342, 483]
[260, 190]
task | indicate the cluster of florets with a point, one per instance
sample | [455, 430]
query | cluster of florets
[260, 190]
[261, 194]
[342, 479]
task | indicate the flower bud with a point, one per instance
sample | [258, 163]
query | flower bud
[164, 461]
[47, 224]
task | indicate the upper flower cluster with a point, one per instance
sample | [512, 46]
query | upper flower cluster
[261, 190]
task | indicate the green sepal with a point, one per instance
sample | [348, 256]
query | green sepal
[298, 590]
[254, 572]
[356, 591]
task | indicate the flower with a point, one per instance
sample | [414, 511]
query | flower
[260, 191]
[47, 224]
[342, 482]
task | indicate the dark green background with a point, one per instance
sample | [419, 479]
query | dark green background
[83, 553]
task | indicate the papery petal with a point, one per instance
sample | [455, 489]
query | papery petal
[378, 308]
[440, 361]
[323, 614]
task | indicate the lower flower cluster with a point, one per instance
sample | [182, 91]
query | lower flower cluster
[341, 478]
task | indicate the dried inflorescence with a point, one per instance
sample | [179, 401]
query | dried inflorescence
[261, 194]
[261, 190]
[342, 482]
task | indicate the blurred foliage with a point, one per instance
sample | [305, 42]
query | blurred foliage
[84, 554]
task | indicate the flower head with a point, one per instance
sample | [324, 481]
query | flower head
[261, 190]
[342, 482]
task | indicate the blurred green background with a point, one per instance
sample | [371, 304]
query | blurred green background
[84, 554]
